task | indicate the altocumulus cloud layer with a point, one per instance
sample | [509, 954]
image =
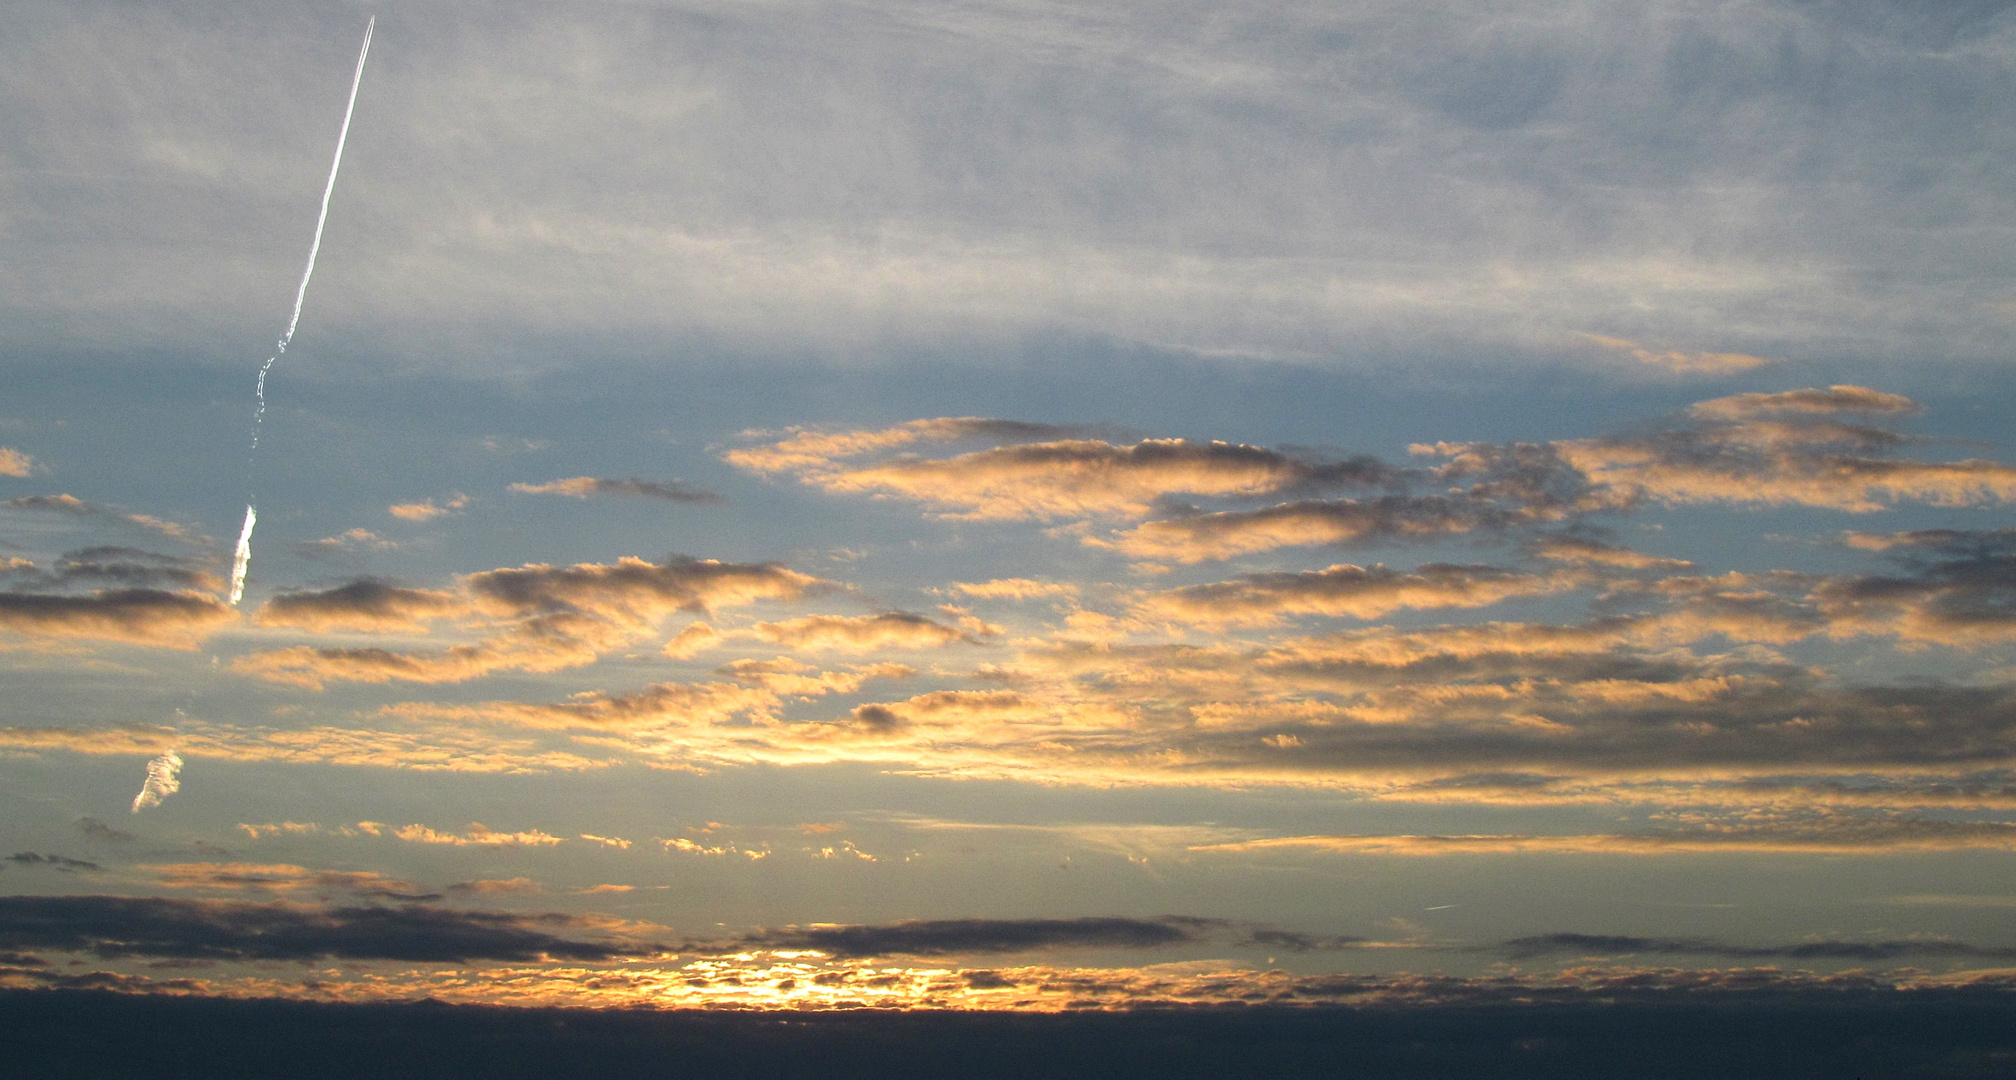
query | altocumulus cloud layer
[1562, 664]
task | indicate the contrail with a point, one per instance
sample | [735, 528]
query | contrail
[242, 559]
[162, 781]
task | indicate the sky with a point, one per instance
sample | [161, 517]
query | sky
[1007, 505]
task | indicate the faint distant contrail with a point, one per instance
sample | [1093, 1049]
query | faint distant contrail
[163, 780]
[242, 558]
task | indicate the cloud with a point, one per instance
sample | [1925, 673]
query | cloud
[1015, 589]
[426, 509]
[1861, 951]
[344, 545]
[116, 926]
[580, 487]
[67, 504]
[1587, 551]
[15, 463]
[366, 605]
[1679, 362]
[122, 567]
[284, 877]
[282, 828]
[52, 862]
[70, 504]
[861, 634]
[1961, 590]
[1344, 589]
[1042, 480]
[103, 833]
[1786, 448]
[550, 618]
[660, 706]
[163, 780]
[171, 620]
[808, 449]
[695, 639]
[1834, 399]
[497, 885]
[955, 937]
[1224, 534]
[440, 747]
[1826, 836]
[631, 590]
[477, 835]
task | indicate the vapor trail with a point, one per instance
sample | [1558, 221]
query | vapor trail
[242, 558]
[162, 781]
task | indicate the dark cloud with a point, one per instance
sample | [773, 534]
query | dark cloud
[136, 616]
[1870, 951]
[115, 567]
[52, 862]
[115, 926]
[98, 830]
[1961, 588]
[367, 604]
[633, 589]
[950, 937]
[1291, 941]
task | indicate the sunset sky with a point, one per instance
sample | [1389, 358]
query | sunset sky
[1008, 504]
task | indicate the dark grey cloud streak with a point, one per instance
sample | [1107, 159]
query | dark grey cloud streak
[951, 937]
[121, 926]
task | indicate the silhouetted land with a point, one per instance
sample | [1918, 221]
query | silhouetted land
[62, 1034]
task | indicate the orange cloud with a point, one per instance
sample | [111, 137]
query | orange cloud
[861, 634]
[275, 877]
[477, 835]
[1343, 589]
[1200, 537]
[1682, 363]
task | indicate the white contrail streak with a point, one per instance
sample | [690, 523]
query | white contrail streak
[162, 781]
[242, 559]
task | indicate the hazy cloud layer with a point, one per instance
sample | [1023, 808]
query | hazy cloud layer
[1700, 183]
